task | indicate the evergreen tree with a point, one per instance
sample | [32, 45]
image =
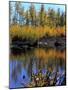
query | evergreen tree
[32, 13]
[42, 16]
[20, 12]
[34, 18]
[27, 17]
[62, 19]
[51, 17]
[58, 18]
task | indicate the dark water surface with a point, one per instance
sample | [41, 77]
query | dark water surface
[35, 61]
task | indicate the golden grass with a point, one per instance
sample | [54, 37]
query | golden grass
[35, 33]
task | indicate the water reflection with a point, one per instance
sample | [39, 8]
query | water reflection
[45, 65]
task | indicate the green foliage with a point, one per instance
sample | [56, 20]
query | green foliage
[42, 16]
[32, 14]
[32, 17]
[33, 25]
[62, 19]
[51, 18]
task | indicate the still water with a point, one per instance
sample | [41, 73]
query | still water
[39, 60]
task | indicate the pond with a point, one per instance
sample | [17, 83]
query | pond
[32, 67]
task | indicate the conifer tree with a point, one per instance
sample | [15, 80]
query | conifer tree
[32, 13]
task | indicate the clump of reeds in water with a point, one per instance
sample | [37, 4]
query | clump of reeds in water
[39, 80]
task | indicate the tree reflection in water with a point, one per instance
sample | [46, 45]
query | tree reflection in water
[39, 67]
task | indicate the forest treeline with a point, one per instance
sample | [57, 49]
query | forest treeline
[35, 17]
[33, 23]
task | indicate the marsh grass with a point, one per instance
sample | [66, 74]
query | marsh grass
[35, 33]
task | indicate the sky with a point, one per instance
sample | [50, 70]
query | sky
[46, 6]
[26, 6]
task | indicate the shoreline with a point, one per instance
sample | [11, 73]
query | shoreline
[58, 43]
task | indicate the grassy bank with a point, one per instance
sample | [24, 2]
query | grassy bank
[35, 33]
